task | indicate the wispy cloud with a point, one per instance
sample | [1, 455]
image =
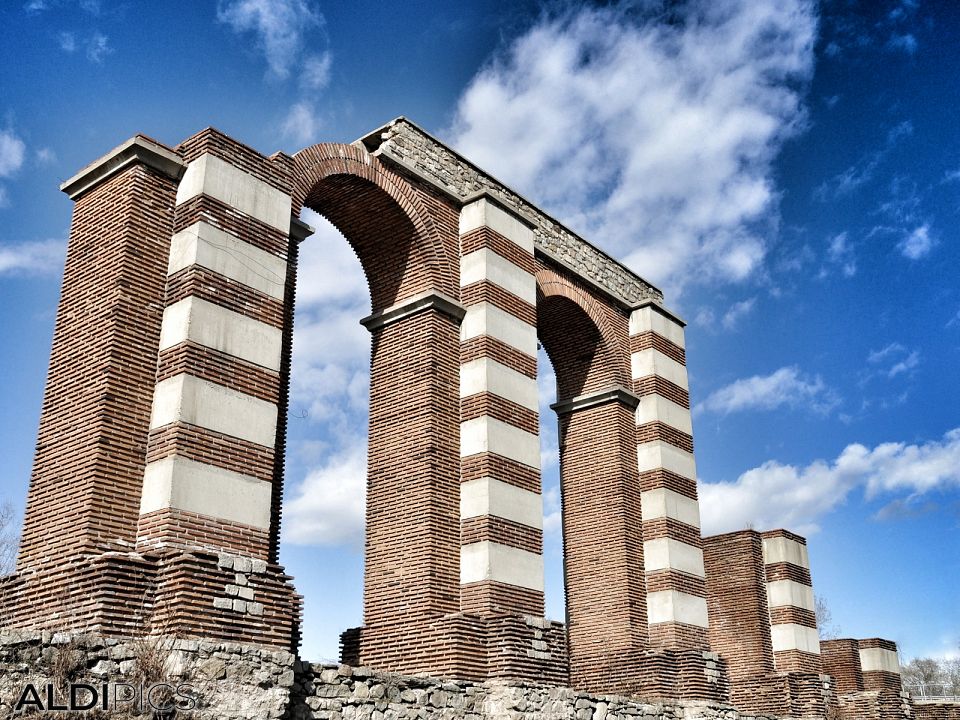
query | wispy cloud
[279, 27]
[840, 252]
[736, 312]
[12, 153]
[906, 43]
[38, 257]
[572, 113]
[891, 361]
[863, 171]
[797, 497]
[917, 243]
[302, 123]
[315, 74]
[98, 47]
[67, 42]
[786, 387]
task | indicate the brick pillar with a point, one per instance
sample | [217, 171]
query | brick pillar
[673, 557]
[602, 541]
[793, 623]
[501, 512]
[212, 475]
[88, 468]
[841, 660]
[412, 535]
[737, 603]
[879, 664]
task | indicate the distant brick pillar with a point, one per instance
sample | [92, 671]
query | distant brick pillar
[501, 511]
[737, 603]
[793, 622]
[213, 476]
[841, 660]
[879, 664]
[88, 468]
[673, 556]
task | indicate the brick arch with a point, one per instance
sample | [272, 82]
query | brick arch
[400, 242]
[578, 337]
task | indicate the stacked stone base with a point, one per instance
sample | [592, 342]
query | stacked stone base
[189, 593]
[465, 646]
[797, 695]
[876, 705]
[936, 710]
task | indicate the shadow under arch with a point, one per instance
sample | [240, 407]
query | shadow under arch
[406, 240]
[587, 343]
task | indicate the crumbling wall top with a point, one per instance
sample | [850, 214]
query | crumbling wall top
[412, 148]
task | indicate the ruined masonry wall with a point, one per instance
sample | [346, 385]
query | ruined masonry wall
[243, 682]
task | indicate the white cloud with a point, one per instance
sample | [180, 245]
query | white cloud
[98, 47]
[316, 71]
[301, 124]
[328, 506]
[652, 135]
[737, 312]
[905, 42]
[67, 41]
[12, 152]
[38, 257]
[917, 244]
[905, 365]
[776, 495]
[786, 387]
[279, 26]
[841, 253]
[46, 156]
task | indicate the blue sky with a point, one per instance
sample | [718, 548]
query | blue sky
[788, 172]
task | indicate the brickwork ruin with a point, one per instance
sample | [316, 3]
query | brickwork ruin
[155, 501]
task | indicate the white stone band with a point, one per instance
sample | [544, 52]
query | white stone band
[484, 264]
[670, 554]
[656, 407]
[782, 549]
[488, 496]
[210, 247]
[487, 319]
[501, 563]
[485, 213]
[790, 593]
[879, 660]
[184, 484]
[488, 375]
[487, 434]
[659, 454]
[188, 399]
[653, 362]
[664, 503]
[674, 606]
[648, 318]
[209, 175]
[212, 326]
[790, 636]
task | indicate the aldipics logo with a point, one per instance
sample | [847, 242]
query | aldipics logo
[79, 697]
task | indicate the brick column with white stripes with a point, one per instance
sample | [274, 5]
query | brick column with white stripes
[209, 487]
[793, 622]
[501, 514]
[672, 548]
[879, 664]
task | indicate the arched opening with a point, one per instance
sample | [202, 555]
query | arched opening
[605, 597]
[409, 363]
